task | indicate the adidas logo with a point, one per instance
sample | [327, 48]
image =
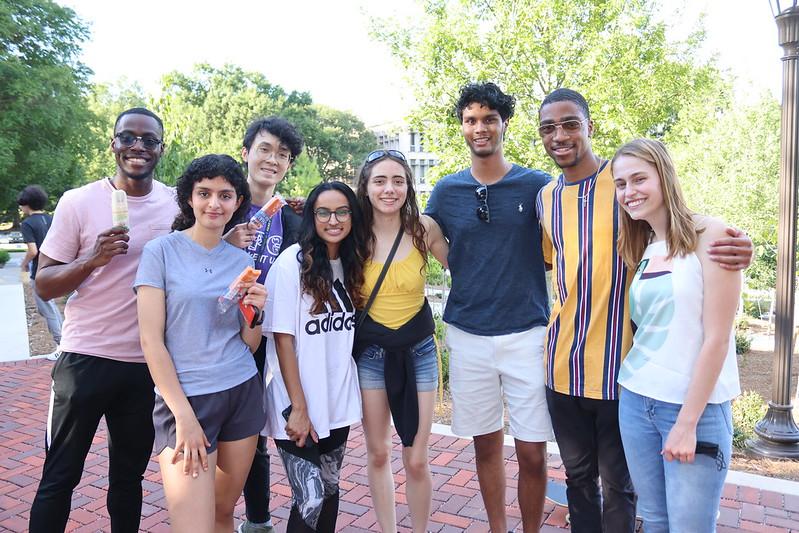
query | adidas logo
[332, 322]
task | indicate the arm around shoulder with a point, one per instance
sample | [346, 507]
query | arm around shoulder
[436, 243]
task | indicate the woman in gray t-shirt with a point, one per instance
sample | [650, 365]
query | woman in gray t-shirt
[209, 402]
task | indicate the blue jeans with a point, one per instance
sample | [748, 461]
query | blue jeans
[49, 311]
[674, 497]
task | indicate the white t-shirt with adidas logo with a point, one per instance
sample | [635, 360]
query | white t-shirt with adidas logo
[323, 344]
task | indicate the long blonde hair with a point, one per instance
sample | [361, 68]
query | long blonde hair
[682, 234]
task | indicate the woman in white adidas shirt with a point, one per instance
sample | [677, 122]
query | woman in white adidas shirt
[314, 289]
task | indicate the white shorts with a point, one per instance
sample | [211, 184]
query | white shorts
[483, 369]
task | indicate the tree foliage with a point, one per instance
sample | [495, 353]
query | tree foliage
[209, 109]
[44, 118]
[612, 51]
[729, 168]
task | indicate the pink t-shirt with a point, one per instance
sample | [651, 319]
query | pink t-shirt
[100, 316]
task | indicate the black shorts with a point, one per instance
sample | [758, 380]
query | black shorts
[226, 416]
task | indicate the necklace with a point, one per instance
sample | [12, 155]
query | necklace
[591, 181]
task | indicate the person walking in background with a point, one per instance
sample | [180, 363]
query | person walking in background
[101, 371]
[681, 373]
[269, 149]
[395, 349]
[313, 289]
[32, 201]
[209, 401]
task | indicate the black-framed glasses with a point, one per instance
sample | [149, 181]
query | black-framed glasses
[379, 154]
[568, 126]
[126, 140]
[482, 210]
[323, 214]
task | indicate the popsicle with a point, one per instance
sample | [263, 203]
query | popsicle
[119, 208]
[265, 214]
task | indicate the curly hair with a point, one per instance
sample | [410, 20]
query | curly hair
[566, 95]
[409, 213]
[34, 197]
[486, 94]
[279, 127]
[316, 275]
[209, 167]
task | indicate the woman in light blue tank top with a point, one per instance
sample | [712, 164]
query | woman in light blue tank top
[681, 372]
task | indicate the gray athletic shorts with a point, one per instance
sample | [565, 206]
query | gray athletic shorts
[226, 416]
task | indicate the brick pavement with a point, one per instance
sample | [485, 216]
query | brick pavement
[457, 506]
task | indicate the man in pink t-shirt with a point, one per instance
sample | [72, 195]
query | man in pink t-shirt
[102, 371]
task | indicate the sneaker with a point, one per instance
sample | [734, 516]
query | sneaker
[249, 527]
[53, 356]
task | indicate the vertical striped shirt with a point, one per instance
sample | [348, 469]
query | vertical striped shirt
[589, 329]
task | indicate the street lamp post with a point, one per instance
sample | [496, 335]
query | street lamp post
[777, 433]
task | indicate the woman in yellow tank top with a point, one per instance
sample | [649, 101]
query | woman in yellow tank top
[396, 353]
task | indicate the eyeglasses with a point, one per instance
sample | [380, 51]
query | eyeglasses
[482, 196]
[379, 154]
[127, 140]
[568, 126]
[280, 156]
[342, 214]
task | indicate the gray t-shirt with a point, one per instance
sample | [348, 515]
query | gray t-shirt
[205, 345]
[498, 275]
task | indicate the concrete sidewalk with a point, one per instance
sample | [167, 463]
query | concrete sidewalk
[749, 503]
[14, 325]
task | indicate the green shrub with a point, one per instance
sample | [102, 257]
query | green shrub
[435, 272]
[747, 410]
[743, 341]
[441, 333]
[4, 257]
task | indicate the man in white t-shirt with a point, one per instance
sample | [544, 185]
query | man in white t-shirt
[102, 371]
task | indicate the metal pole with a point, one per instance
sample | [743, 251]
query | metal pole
[777, 433]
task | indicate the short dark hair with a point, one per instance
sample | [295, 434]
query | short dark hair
[139, 111]
[486, 94]
[280, 128]
[567, 95]
[34, 197]
[210, 166]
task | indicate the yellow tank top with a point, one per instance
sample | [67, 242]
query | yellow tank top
[401, 294]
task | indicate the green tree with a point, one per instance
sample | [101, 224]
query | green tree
[612, 51]
[43, 123]
[209, 109]
[301, 178]
[339, 143]
[729, 168]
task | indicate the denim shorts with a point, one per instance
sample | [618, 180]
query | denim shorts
[425, 362]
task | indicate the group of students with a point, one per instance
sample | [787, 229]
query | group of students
[344, 333]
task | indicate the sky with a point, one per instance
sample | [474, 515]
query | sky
[324, 47]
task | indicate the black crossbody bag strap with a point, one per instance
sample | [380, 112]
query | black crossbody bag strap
[380, 279]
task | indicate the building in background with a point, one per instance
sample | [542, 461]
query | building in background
[399, 136]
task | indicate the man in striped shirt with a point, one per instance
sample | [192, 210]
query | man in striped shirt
[589, 330]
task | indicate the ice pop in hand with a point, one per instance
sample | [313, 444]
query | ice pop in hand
[119, 208]
[265, 214]
[233, 294]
